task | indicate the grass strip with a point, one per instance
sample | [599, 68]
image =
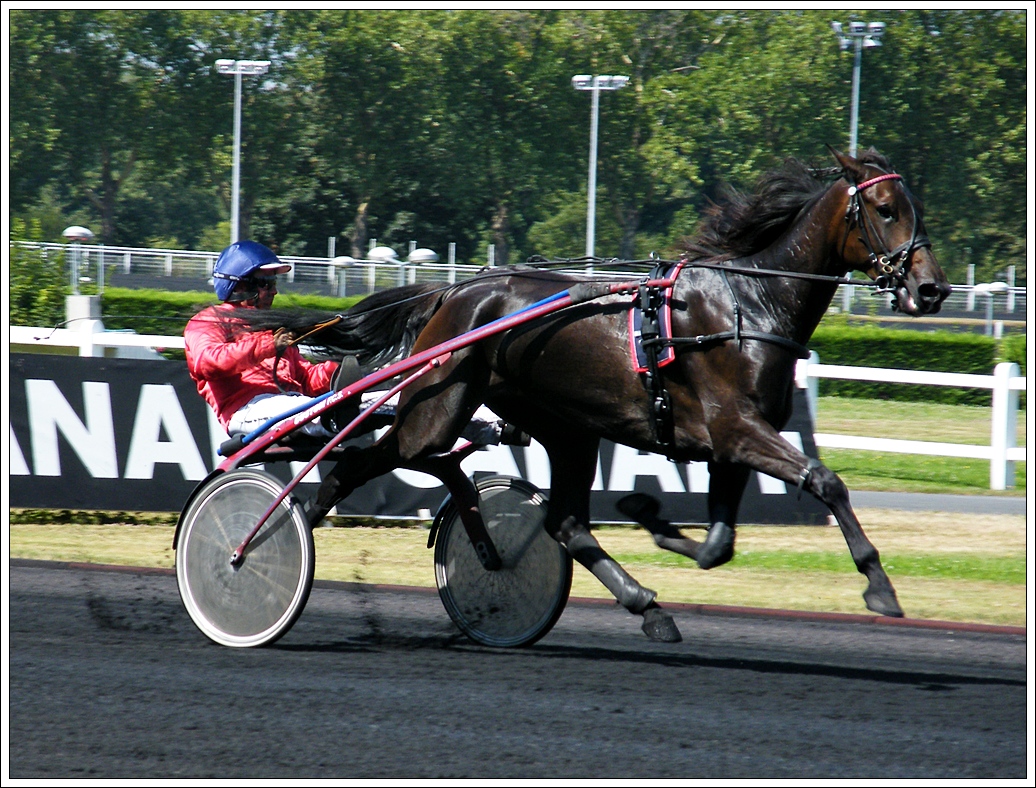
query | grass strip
[1008, 570]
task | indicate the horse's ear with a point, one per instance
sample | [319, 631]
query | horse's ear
[848, 164]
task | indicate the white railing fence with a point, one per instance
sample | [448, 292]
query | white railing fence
[1005, 383]
[89, 337]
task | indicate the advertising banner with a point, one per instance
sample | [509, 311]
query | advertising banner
[123, 434]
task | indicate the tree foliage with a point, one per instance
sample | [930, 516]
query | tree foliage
[462, 126]
[37, 282]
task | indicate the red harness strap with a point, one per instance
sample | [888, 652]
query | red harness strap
[660, 324]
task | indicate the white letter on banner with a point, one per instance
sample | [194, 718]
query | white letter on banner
[771, 486]
[628, 464]
[423, 481]
[158, 407]
[493, 459]
[537, 467]
[313, 477]
[49, 412]
[698, 477]
[18, 465]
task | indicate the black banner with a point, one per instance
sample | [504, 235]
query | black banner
[89, 433]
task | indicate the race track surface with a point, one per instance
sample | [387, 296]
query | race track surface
[110, 679]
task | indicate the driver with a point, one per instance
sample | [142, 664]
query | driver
[234, 368]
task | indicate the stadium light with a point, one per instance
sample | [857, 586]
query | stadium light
[238, 68]
[860, 36]
[595, 84]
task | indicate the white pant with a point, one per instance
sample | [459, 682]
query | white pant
[484, 428]
[264, 407]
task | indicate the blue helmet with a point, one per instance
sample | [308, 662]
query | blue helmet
[238, 262]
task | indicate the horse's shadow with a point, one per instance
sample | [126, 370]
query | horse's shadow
[372, 643]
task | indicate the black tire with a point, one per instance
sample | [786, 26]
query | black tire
[256, 602]
[519, 603]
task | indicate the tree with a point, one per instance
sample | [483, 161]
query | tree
[463, 125]
[37, 284]
[647, 46]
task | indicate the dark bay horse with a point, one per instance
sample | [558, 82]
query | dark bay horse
[757, 280]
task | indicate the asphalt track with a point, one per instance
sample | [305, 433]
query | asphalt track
[108, 678]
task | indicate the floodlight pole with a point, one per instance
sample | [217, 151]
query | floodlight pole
[595, 85]
[861, 35]
[238, 68]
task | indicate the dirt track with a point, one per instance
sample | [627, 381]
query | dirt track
[110, 679]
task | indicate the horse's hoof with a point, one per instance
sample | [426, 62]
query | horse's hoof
[883, 603]
[659, 626]
[718, 547]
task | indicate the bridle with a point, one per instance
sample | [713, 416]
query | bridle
[890, 266]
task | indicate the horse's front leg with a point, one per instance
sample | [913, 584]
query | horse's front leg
[573, 465]
[825, 484]
[767, 452]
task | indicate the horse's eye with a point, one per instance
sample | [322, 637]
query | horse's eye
[885, 211]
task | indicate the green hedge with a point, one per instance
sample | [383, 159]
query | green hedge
[1013, 348]
[936, 351]
[166, 313]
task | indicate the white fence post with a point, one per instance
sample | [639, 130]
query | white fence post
[1004, 429]
[88, 329]
[810, 383]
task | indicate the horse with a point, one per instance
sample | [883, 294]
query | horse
[751, 288]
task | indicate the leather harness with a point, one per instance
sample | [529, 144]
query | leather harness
[650, 300]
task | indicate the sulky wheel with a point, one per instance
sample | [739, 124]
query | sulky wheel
[517, 604]
[256, 602]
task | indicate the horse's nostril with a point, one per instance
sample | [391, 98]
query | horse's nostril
[931, 291]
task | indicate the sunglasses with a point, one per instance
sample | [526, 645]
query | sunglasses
[260, 283]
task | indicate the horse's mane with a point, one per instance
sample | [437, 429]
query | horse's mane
[743, 224]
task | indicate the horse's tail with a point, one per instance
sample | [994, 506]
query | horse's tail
[378, 329]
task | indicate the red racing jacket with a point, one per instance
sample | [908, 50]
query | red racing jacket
[231, 366]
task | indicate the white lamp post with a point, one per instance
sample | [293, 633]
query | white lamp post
[238, 68]
[861, 35]
[595, 85]
[990, 290]
[76, 236]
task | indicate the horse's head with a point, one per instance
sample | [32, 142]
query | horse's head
[884, 235]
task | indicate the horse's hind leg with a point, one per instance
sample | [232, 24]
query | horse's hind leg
[430, 416]
[573, 464]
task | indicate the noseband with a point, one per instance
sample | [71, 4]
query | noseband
[890, 265]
